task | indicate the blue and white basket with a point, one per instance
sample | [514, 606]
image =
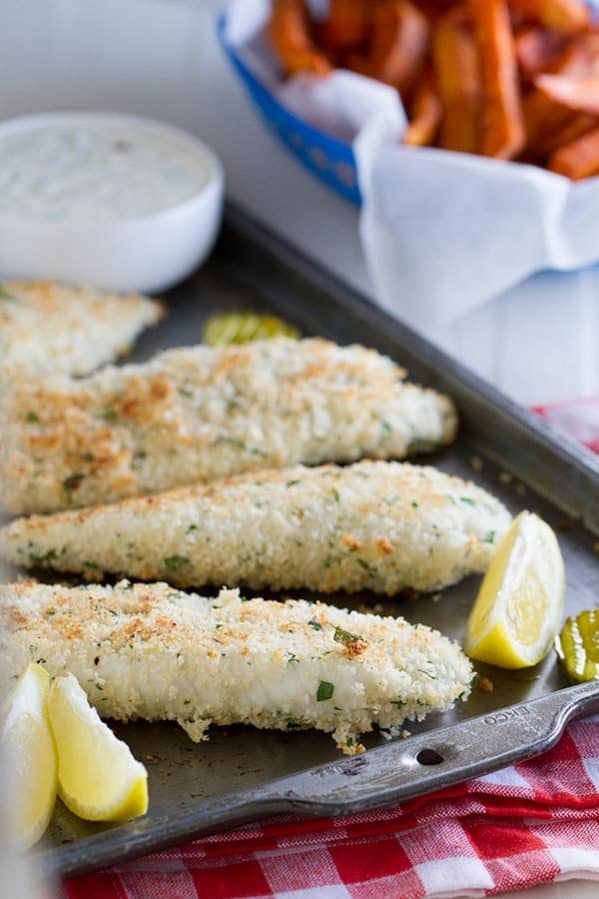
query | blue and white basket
[330, 159]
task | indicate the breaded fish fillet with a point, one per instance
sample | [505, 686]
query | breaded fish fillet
[380, 526]
[200, 413]
[147, 651]
[50, 327]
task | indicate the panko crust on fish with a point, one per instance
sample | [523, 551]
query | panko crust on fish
[379, 526]
[46, 326]
[150, 652]
[201, 413]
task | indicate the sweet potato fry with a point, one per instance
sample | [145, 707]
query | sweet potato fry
[398, 48]
[546, 117]
[425, 115]
[580, 57]
[457, 70]
[543, 118]
[579, 159]
[503, 133]
[347, 26]
[289, 32]
[538, 50]
[432, 8]
[517, 19]
[579, 124]
[567, 16]
[580, 94]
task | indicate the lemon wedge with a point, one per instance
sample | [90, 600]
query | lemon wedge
[519, 606]
[98, 777]
[29, 757]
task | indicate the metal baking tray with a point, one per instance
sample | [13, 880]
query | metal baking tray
[244, 774]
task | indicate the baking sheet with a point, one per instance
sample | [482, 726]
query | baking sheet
[502, 447]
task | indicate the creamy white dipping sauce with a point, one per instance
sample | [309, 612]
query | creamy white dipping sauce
[93, 173]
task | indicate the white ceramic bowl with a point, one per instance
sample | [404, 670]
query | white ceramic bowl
[149, 253]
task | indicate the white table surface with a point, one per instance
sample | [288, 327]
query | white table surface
[161, 58]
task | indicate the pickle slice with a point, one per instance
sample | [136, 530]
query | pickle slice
[243, 327]
[578, 646]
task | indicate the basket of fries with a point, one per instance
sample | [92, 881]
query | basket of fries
[504, 79]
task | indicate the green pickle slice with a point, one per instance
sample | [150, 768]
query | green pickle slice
[243, 327]
[578, 646]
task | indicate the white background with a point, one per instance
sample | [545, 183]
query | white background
[161, 58]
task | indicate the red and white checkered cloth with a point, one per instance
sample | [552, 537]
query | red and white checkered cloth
[533, 823]
[578, 418]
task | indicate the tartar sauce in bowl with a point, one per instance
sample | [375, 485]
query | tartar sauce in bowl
[95, 171]
[116, 201]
